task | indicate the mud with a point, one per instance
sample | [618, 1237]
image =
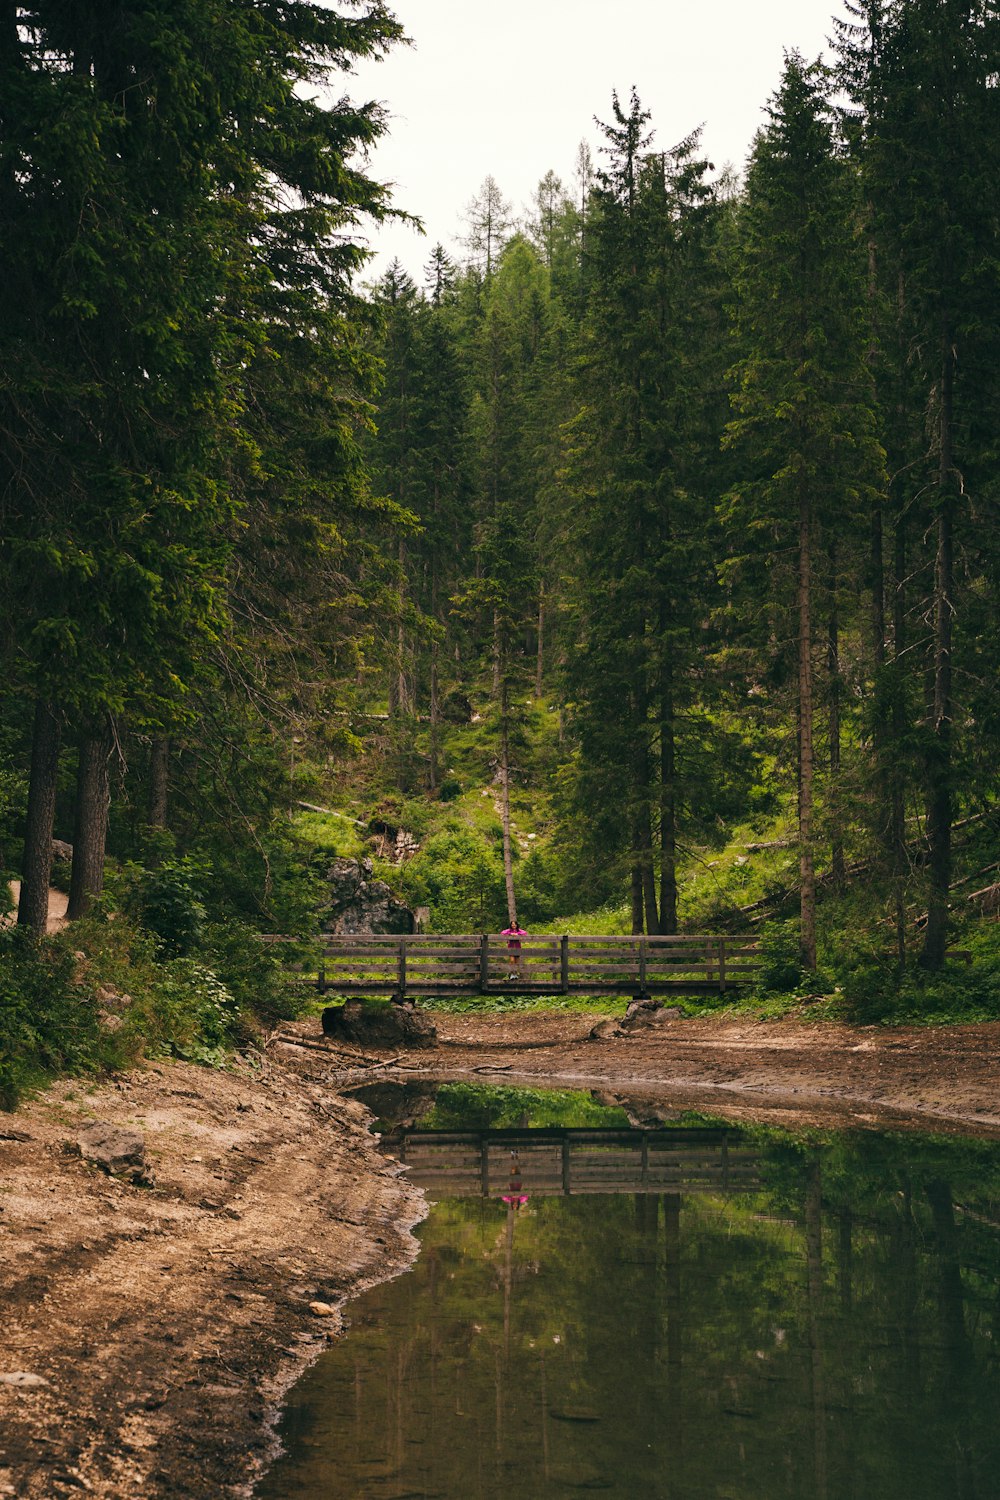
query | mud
[168, 1320]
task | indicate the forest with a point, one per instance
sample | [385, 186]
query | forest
[636, 570]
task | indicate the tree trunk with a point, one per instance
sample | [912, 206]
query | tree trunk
[508, 861]
[648, 871]
[90, 832]
[496, 654]
[939, 769]
[668, 809]
[433, 774]
[539, 661]
[159, 780]
[807, 872]
[36, 867]
[837, 868]
[642, 823]
[636, 894]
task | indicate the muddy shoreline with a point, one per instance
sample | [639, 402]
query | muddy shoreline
[168, 1321]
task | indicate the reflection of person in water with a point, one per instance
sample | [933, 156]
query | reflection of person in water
[513, 1197]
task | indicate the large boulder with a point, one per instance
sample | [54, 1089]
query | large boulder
[359, 904]
[117, 1151]
[370, 1023]
[643, 1013]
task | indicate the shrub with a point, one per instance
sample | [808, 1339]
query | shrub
[780, 963]
[49, 1016]
[168, 902]
[189, 1013]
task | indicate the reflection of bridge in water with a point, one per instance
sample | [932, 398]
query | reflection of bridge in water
[565, 1162]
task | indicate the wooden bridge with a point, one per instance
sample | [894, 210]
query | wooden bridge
[565, 1162]
[441, 965]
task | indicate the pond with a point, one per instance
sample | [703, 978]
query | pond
[706, 1312]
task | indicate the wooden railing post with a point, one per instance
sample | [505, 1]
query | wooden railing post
[722, 963]
[402, 969]
[564, 963]
[484, 962]
[567, 1182]
[484, 1165]
[642, 964]
[321, 979]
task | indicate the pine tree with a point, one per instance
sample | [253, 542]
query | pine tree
[149, 250]
[804, 420]
[643, 453]
[922, 78]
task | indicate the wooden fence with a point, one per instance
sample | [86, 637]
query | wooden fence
[449, 964]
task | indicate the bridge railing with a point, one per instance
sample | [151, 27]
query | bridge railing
[545, 964]
[570, 1161]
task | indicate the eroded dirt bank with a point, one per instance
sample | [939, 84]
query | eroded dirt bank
[167, 1321]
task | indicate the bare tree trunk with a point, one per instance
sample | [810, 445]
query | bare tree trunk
[159, 780]
[644, 851]
[636, 895]
[508, 861]
[939, 771]
[807, 872]
[540, 659]
[433, 774]
[833, 668]
[36, 866]
[90, 832]
[897, 790]
[496, 654]
[668, 808]
[642, 824]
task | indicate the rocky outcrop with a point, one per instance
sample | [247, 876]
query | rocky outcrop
[367, 1023]
[359, 904]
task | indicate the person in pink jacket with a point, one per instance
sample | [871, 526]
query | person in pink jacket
[513, 934]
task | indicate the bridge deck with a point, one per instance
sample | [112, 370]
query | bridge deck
[433, 965]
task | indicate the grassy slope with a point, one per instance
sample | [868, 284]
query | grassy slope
[745, 882]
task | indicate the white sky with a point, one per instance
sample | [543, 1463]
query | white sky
[510, 87]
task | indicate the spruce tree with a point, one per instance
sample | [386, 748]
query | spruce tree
[804, 424]
[922, 77]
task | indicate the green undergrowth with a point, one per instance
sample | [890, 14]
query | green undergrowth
[103, 994]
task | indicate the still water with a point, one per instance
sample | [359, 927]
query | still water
[706, 1314]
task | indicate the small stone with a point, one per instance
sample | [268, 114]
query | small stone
[24, 1380]
[322, 1309]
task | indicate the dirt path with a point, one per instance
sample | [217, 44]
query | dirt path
[167, 1321]
[785, 1073]
[58, 902]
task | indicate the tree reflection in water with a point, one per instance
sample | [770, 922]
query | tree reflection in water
[826, 1331]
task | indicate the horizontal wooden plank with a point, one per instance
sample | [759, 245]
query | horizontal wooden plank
[473, 940]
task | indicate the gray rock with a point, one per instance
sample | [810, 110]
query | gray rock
[359, 904]
[368, 1023]
[648, 1012]
[117, 1151]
